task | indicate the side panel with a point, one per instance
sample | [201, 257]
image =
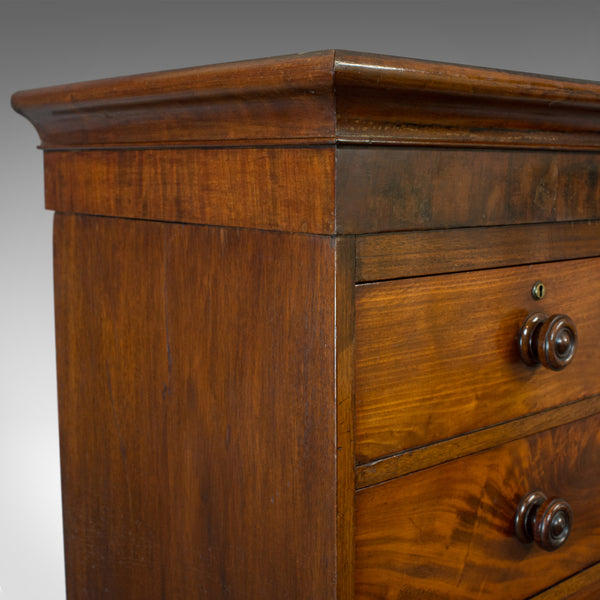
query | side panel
[196, 372]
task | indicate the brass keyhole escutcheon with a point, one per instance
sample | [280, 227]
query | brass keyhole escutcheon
[538, 291]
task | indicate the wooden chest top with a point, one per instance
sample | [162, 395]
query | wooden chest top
[327, 142]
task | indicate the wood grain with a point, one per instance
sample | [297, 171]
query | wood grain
[225, 386]
[583, 586]
[447, 532]
[430, 455]
[395, 189]
[324, 190]
[196, 371]
[283, 98]
[437, 356]
[415, 253]
[323, 97]
[385, 99]
[270, 188]
[344, 319]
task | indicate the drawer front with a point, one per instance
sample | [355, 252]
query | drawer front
[448, 532]
[438, 356]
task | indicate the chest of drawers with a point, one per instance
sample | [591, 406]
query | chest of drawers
[327, 328]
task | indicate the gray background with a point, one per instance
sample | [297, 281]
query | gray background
[48, 42]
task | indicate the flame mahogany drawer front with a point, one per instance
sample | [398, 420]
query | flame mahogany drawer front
[439, 356]
[448, 531]
[327, 329]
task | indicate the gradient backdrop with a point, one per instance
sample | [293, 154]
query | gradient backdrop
[45, 43]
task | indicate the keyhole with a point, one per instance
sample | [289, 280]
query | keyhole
[538, 291]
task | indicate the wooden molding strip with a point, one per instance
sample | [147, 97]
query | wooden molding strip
[344, 323]
[417, 459]
[414, 253]
[384, 99]
[586, 583]
[332, 94]
[253, 100]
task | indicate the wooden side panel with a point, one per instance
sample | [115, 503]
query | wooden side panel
[393, 189]
[196, 374]
[447, 532]
[438, 356]
[286, 189]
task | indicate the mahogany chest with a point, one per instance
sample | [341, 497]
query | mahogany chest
[327, 328]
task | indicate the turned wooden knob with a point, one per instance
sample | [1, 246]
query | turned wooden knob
[551, 341]
[547, 521]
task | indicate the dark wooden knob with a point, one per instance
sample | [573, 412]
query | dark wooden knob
[547, 521]
[551, 341]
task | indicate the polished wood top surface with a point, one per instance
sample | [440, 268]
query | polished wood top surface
[331, 96]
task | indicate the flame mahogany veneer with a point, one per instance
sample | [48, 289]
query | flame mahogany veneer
[288, 300]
